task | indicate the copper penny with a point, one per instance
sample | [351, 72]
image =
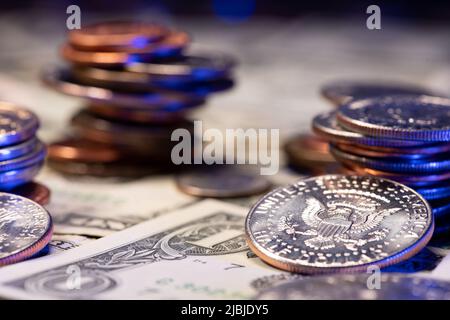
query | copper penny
[309, 151]
[82, 150]
[175, 42]
[33, 191]
[117, 35]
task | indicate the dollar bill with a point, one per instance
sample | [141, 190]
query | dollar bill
[96, 207]
[198, 252]
[64, 242]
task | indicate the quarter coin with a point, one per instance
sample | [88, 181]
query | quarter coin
[341, 92]
[420, 118]
[16, 124]
[327, 126]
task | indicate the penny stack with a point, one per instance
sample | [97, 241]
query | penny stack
[405, 138]
[22, 154]
[139, 84]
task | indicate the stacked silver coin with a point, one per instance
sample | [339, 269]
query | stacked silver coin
[22, 154]
[140, 85]
[405, 138]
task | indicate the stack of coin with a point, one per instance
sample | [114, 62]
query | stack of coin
[140, 85]
[405, 138]
[22, 154]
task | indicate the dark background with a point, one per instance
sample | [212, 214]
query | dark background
[437, 11]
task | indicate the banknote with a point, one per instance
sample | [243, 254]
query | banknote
[197, 252]
[94, 207]
[64, 242]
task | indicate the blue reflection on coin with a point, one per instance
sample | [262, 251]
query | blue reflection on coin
[18, 150]
[425, 260]
[35, 156]
[435, 192]
[14, 178]
[17, 124]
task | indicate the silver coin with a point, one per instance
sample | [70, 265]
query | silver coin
[421, 118]
[222, 182]
[327, 126]
[341, 92]
[16, 124]
[339, 223]
[25, 228]
[363, 286]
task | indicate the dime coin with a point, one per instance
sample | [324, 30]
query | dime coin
[393, 286]
[422, 118]
[436, 164]
[222, 182]
[13, 178]
[396, 153]
[338, 223]
[17, 124]
[25, 226]
[116, 35]
[200, 67]
[63, 81]
[342, 92]
[34, 191]
[18, 150]
[37, 155]
[172, 44]
[326, 126]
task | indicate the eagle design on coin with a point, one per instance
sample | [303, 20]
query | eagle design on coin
[339, 222]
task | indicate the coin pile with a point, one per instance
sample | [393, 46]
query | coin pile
[22, 154]
[405, 138]
[139, 85]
